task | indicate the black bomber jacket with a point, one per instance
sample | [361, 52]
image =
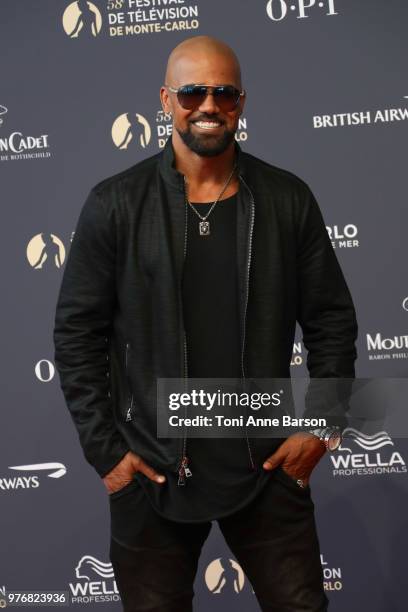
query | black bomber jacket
[119, 321]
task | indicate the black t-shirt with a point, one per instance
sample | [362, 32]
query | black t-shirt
[210, 293]
[222, 478]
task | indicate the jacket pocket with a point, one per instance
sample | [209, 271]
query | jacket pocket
[128, 411]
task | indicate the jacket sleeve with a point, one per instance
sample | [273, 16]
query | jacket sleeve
[326, 314]
[83, 319]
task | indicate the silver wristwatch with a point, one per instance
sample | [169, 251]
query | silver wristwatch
[331, 436]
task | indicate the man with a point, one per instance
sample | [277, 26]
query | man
[197, 262]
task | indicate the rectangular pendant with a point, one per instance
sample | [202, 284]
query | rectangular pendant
[204, 228]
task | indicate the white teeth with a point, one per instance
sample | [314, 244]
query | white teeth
[207, 124]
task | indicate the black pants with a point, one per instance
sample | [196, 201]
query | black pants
[273, 539]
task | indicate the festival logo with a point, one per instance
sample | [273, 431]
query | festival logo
[131, 127]
[224, 575]
[45, 250]
[81, 18]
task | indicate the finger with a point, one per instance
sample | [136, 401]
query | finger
[148, 471]
[273, 461]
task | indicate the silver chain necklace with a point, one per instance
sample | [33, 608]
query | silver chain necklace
[204, 225]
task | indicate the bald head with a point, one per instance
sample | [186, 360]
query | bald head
[203, 59]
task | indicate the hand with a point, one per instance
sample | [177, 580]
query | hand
[122, 473]
[297, 456]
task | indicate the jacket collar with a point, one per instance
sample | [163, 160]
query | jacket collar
[175, 178]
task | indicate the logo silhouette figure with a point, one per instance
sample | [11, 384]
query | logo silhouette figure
[135, 127]
[230, 577]
[50, 252]
[86, 21]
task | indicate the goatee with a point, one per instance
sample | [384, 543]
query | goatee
[206, 146]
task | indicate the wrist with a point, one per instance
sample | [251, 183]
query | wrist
[330, 436]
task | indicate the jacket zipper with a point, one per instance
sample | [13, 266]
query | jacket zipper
[183, 469]
[251, 460]
[130, 394]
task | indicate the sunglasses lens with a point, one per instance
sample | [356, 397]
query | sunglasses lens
[191, 96]
[226, 97]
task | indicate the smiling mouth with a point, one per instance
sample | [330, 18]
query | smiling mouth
[207, 125]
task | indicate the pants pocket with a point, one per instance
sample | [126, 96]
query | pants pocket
[124, 490]
[289, 481]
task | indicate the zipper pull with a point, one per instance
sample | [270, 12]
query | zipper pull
[129, 411]
[184, 471]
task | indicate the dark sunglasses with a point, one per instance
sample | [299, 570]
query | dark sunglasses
[192, 96]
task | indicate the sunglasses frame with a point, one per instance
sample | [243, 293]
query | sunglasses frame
[209, 88]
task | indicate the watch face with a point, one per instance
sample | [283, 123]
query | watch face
[334, 441]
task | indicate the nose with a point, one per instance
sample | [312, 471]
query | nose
[209, 104]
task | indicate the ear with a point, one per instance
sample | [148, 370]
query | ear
[165, 99]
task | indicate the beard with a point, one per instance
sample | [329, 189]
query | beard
[206, 145]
